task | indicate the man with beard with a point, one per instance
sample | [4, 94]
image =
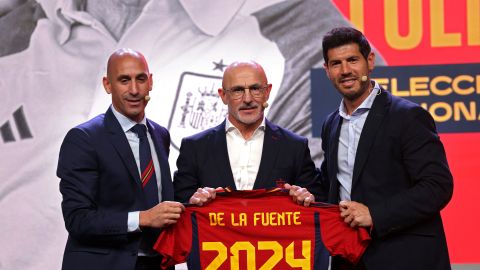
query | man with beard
[384, 163]
[246, 151]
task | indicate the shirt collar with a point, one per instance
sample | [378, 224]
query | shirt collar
[364, 107]
[230, 127]
[125, 122]
[65, 13]
[212, 16]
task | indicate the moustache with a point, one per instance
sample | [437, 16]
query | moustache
[248, 107]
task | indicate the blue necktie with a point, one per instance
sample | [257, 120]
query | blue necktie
[148, 178]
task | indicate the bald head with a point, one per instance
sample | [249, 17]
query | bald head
[129, 82]
[117, 56]
[245, 90]
[236, 69]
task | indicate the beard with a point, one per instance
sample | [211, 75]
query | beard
[353, 94]
[247, 119]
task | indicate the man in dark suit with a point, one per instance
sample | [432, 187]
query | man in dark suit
[110, 206]
[246, 151]
[384, 163]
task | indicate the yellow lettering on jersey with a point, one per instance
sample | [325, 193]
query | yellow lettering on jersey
[235, 258]
[216, 219]
[240, 221]
[221, 257]
[276, 218]
[304, 262]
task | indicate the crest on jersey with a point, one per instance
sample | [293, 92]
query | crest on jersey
[197, 106]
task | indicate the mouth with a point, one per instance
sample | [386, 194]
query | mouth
[348, 82]
[134, 102]
[248, 109]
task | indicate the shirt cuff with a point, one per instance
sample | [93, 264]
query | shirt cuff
[133, 221]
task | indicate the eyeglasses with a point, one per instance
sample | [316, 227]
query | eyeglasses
[238, 92]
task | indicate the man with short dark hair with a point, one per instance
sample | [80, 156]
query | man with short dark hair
[384, 163]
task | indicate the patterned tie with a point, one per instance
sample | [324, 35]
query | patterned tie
[149, 180]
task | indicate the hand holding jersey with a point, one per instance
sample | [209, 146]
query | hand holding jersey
[355, 214]
[299, 195]
[203, 196]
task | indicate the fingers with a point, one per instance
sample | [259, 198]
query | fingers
[355, 214]
[308, 200]
[174, 207]
[300, 195]
[203, 196]
[165, 213]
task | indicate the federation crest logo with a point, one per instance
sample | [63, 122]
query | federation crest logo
[197, 106]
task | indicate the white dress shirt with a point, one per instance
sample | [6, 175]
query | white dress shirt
[244, 155]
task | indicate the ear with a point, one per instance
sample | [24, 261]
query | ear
[267, 91]
[222, 95]
[371, 61]
[107, 85]
[150, 81]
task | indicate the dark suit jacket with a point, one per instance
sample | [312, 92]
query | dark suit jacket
[401, 174]
[100, 184]
[204, 162]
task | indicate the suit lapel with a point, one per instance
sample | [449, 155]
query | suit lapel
[369, 132]
[167, 187]
[218, 144]
[333, 140]
[120, 143]
[269, 154]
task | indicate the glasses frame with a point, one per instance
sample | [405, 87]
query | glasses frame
[236, 92]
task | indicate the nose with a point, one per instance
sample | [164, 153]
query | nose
[133, 87]
[345, 68]
[247, 97]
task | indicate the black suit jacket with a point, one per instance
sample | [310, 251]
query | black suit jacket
[100, 184]
[401, 174]
[204, 162]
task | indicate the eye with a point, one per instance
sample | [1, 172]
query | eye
[334, 63]
[238, 89]
[353, 60]
[142, 78]
[255, 87]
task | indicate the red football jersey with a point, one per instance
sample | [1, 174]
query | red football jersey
[260, 229]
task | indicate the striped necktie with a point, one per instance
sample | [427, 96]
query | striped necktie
[148, 178]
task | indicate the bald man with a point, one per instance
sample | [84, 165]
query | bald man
[246, 151]
[113, 208]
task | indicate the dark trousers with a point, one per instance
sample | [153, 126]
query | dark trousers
[149, 263]
[339, 263]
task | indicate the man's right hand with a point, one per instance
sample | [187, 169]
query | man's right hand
[203, 196]
[161, 215]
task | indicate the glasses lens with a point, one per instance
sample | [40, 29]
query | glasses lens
[237, 91]
[256, 90]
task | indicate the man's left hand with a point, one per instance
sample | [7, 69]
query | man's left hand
[355, 214]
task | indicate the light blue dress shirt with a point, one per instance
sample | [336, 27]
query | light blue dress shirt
[350, 132]
[126, 124]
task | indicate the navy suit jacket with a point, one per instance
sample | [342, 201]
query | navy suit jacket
[100, 184]
[401, 174]
[204, 162]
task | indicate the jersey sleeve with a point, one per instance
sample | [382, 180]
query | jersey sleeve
[175, 241]
[340, 239]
